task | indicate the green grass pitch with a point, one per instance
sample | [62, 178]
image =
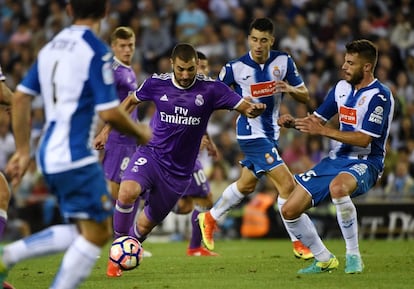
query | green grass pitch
[242, 264]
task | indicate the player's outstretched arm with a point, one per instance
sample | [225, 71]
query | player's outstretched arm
[20, 112]
[118, 119]
[130, 103]
[5, 94]
[251, 109]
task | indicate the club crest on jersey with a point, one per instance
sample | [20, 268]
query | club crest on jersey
[269, 158]
[276, 72]
[263, 89]
[199, 101]
[362, 100]
[348, 115]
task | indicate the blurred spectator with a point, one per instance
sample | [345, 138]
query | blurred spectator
[295, 155]
[400, 185]
[222, 10]
[218, 178]
[156, 42]
[402, 34]
[296, 45]
[210, 43]
[190, 22]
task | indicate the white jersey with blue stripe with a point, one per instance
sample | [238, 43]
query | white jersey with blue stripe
[369, 110]
[258, 81]
[73, 75]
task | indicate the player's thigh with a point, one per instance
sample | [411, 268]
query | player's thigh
[282, 179]
[247, 181]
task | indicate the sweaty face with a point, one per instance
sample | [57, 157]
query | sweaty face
[260, 43]
[184, 72]
[124, 50]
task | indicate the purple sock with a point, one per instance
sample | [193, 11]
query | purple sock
[123, 218]
[3, 222]
[195, 241]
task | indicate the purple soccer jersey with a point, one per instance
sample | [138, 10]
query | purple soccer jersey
[181, 117]
[164, 167]
[120, 147]
[125, 82]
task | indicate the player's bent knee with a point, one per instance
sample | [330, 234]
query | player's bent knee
[128, 193]
[289, 213]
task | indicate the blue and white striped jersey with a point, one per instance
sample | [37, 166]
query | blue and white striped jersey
[73, 75]
[369, 110]
[259, 82]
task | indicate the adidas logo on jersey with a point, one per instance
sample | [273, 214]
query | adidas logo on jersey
[164, 98]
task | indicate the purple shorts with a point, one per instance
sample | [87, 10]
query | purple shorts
[161, 189]
[116, 160]
[199, 186]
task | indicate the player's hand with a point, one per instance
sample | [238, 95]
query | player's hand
[310, 124]
[208, 144]
[286, 120]
[100, 140]
[17, 166]
[255, 109]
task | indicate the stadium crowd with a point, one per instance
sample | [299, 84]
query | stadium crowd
[312, 31]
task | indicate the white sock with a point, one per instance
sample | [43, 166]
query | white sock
[280, 203]
[76, 265]
[305, 231]
[230, 198]
[51, 240]
[347, 220]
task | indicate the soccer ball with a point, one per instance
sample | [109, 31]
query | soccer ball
[126, 251]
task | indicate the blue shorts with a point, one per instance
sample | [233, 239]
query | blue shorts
[82, 193]
[316, 180]
[161, 189]
[199, 186]
[260, 155]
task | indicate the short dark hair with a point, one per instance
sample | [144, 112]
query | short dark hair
[122, 32]
[184, 51]
[262, 24]
[366, 50]
[84, 9]
[201, 55]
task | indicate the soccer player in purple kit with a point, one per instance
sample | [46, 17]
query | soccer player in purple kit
[163, 168]
[119, 147]
[365, 109]
[198, 196]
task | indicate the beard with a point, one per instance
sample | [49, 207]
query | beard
[356, 78]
